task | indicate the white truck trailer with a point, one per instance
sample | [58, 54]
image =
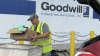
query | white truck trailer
[62, 16]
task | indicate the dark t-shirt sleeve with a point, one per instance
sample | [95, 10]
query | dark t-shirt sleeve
[45, 28]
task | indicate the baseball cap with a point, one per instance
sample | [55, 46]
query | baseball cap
[33, 16]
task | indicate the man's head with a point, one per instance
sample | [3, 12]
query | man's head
[34, 19]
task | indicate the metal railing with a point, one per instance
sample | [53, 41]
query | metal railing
[72, 39]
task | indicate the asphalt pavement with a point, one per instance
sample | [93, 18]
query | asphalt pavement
[65, 53]
[64, 46]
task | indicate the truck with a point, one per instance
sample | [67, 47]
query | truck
[61, 16]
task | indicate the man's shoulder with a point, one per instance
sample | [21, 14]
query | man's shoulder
[45, 28]
[45, 24]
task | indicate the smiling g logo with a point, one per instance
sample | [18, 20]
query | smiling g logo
[86, 11]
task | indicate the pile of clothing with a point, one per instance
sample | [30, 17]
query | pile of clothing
[21, 28]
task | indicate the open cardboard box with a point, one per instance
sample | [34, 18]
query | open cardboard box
[25, 35]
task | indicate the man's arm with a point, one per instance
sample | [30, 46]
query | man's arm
[43, 35]
[45, 31]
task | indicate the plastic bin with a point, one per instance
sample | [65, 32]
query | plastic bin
[20, 50]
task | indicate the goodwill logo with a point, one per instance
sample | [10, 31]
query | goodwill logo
[17, 7]
[86, 11]
[78, 11]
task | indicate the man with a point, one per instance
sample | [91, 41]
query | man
[43, 38]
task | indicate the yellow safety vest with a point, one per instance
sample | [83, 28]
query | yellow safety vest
[45, 42]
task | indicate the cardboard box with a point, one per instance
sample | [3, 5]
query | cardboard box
[26, 35]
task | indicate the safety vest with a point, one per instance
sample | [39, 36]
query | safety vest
[45, 42]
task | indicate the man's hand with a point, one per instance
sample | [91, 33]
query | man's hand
[35, 38]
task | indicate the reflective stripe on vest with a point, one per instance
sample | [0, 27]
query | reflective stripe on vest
[43, 39]
[42, 42]
[31, 27]
[47, 45]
